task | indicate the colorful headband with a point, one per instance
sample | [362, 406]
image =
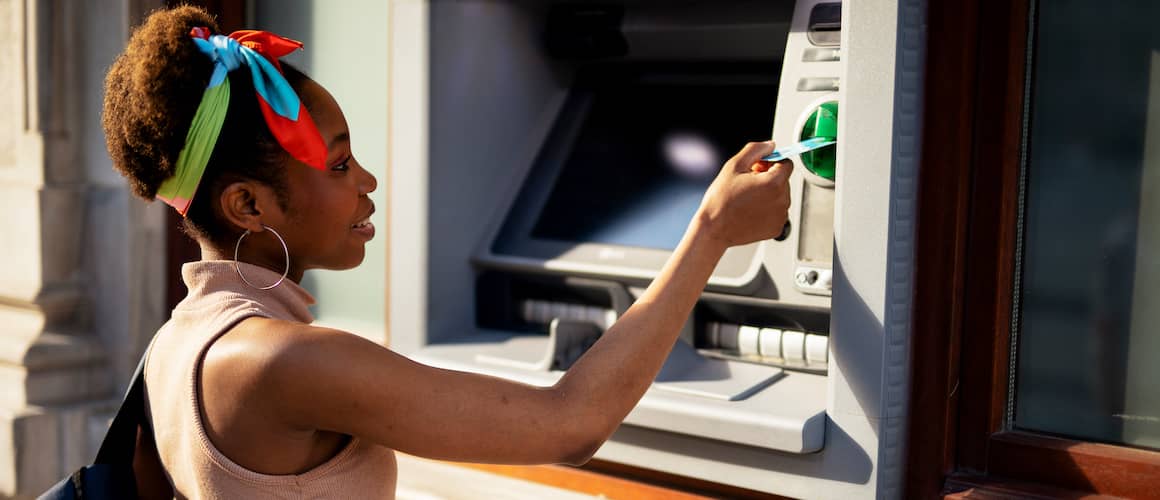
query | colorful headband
[284, 112]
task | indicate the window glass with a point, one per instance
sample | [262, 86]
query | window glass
[1088, 343]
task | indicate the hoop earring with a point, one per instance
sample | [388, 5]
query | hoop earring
[285, 251]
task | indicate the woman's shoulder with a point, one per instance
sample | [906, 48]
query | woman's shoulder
[263, 354]
[258, 345]
[282, 369]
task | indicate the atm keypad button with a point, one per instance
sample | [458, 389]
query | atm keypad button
[595, 315]
[727, 336]
[610, 317]
[817, 349]
[793, 346]
[576, 312]
[543, 312]
[748, 338]
[769, 343]
[558, 310]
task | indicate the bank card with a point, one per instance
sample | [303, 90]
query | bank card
[805, 146]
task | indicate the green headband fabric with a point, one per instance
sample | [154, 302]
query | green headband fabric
[178, 191]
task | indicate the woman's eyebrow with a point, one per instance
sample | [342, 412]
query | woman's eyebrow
[345, 136]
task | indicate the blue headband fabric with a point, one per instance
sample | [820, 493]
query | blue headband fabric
[227, 55]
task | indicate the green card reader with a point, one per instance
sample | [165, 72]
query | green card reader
[821, 123]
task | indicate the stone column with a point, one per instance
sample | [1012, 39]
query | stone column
[62, 360]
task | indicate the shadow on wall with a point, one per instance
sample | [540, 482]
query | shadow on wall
[854, 333]
[291, 19]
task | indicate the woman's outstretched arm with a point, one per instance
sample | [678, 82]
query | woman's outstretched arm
[314, 378]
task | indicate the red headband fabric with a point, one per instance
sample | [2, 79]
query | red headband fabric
[285, 113]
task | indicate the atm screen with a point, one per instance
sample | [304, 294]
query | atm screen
[644, 154]
[625, 166]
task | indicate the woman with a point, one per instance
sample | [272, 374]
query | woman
[246, 398]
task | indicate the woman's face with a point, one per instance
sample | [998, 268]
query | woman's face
[327, 219]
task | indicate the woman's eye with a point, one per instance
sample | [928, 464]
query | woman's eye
[342, 167]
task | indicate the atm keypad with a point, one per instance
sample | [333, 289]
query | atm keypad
[769, 345]
[542, 312]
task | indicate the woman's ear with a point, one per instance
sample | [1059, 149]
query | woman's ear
[245, 203]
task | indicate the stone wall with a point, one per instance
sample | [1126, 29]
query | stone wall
[80, 262]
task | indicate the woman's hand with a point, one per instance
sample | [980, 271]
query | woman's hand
[749, 199]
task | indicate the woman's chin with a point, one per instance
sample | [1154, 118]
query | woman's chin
[354, 261]
[349, 261]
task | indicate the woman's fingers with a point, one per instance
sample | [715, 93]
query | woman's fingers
[752, 153]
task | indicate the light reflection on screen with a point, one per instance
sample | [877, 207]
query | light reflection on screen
[691, 155]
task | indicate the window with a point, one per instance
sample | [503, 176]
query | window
[1087, 339]
[1038, 222]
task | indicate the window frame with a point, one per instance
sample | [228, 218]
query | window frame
[967, 243]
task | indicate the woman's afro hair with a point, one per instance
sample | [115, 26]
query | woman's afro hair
[153, 90]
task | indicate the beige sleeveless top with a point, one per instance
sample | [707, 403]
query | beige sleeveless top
[217, 301]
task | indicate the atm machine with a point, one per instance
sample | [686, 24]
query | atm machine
[546, 158]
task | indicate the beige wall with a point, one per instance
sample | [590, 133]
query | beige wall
[346, 46]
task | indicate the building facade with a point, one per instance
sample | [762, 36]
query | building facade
[992, 327]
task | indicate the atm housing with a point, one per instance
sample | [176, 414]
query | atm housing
[474, 96]
[618, 81]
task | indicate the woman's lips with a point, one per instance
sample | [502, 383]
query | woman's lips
[364, 228]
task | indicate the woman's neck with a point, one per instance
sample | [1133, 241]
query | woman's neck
[274, 263]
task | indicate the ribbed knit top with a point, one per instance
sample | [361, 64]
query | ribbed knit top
[217, 301]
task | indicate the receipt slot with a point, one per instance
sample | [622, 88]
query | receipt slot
[552, 157]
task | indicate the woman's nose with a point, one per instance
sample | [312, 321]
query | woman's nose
[369, 183]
